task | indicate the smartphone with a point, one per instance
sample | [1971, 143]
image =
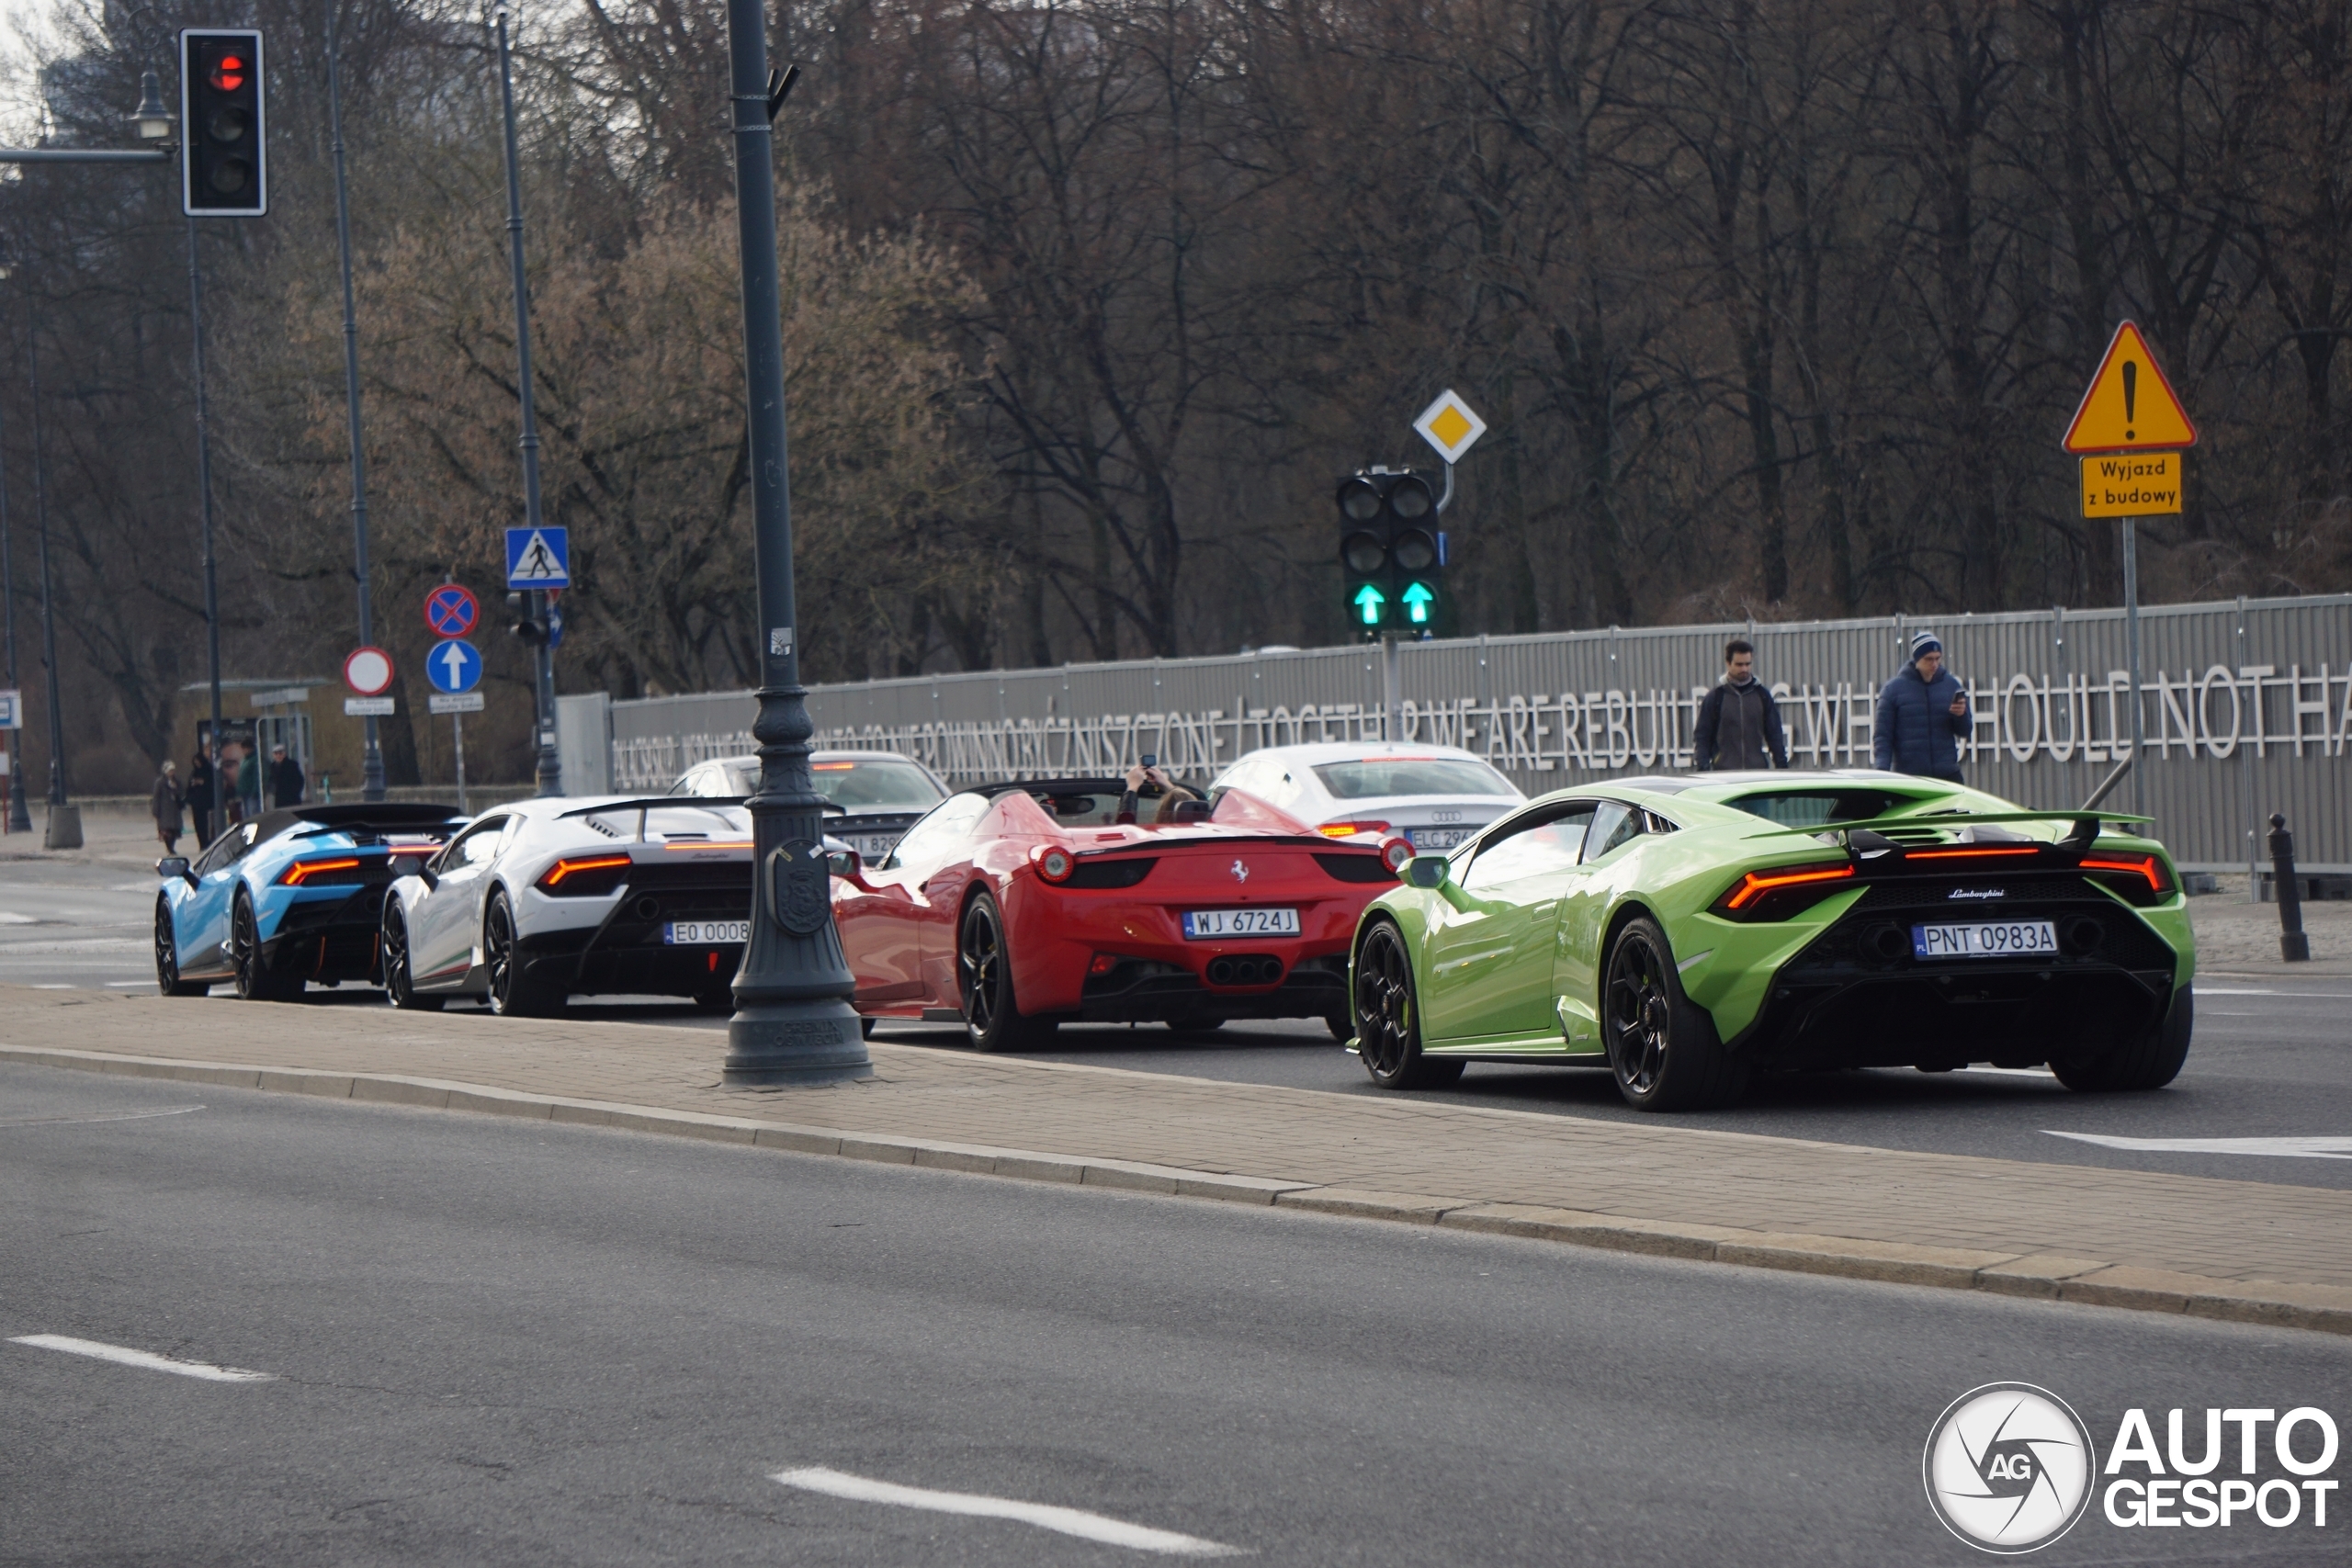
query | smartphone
[1151, 758]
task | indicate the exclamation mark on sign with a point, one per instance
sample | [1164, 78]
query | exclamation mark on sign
[2131, 393]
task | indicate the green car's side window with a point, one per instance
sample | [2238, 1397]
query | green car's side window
[1548, 845]
[1615, 826]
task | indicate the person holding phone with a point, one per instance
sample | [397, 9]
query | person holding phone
[1146, 780]
[1922, 715]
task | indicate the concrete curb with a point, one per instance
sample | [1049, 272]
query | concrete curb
[2087, 1280]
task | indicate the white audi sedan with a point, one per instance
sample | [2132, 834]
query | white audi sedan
[539, 900]
[872, 797]
[1433, 795]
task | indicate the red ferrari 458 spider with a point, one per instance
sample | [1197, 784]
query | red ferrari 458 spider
[1013, 907]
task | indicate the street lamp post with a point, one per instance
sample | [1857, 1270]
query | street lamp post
[20, 817]
[64, 822]
[550, 761]
[371, 764]
[793, 1021]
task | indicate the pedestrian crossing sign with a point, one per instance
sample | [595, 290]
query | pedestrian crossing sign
[539, 557]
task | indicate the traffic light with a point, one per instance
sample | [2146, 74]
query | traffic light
[224, 165]
[527, 626]
[1392, 556]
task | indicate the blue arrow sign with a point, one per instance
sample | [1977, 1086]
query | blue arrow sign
[454, 667]
[539, 557]
[1368, 602]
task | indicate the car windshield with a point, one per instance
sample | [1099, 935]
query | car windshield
[1096, 810]
[1817, 808]
[867, 783]
[1375, 776]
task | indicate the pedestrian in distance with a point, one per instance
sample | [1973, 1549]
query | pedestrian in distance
[199, 794]
[1922, 715]
[168, 799]
[1739, 722]
[286, 781]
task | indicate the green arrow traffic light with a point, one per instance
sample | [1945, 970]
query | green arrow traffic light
[1417, 600]
[1368, 602]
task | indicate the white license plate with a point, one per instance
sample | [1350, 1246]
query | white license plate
[1437, 838]
[1984, 939]
[871, 847]
[706, 933]
[1202, 925]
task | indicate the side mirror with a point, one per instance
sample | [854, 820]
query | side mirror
[173, 865]
[1428, 871]
[846, 864]
[414, 865]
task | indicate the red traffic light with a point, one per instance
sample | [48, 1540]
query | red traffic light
[229, 73]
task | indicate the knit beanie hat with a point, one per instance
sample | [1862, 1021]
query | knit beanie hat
[1925, 642]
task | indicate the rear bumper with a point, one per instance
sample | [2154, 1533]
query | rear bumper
[1856, 997]
[328, 940]
[624, 953]
[1140, 990]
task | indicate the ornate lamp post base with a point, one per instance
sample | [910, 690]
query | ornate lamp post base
[796, 1045]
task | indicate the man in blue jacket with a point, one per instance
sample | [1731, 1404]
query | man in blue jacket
[1922, 715]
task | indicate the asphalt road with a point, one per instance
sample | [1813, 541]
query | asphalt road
[492, 1341]
[2272, 1059]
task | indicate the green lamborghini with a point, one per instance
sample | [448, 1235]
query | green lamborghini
[1689, 932]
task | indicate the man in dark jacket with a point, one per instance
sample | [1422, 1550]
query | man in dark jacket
[1922, 715]
[199, 794]
[1739, 724]
[286, 780]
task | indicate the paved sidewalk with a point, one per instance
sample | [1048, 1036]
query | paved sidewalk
[2245, 1250]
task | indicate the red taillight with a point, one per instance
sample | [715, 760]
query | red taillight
[1394, 853]
[1755, 884]
[2136, 867]
[1103, 964]
[1053, 862]
[585, 877]
[304, 871]
[1350, 829]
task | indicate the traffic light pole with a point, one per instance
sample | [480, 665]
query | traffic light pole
[47, 618]
[793, 1023]
[550, 761]
[371, 765]
[20, 817]
[204, 489]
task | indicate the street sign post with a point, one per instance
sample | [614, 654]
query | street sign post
[368, 671]
[451, 610]
[2129, 430]
[12, 710]
[455, 669]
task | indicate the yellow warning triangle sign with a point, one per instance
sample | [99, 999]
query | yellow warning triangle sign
[2130, 406]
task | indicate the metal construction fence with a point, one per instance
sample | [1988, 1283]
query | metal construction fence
[2246, 706]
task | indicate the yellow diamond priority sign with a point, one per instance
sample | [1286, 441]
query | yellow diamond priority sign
[1449, 426]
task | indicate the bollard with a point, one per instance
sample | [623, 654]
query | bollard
[2294, 946]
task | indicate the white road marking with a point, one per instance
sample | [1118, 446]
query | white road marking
[2287, 1148]
[121, 1116]
[53, 986]
[10, 918]
[2012, 1072]
[127, 985]
[121, 1356]
[2232, 992]
[1045, 1516]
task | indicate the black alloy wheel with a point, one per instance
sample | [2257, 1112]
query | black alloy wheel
[400, 976]
[992, 1017]
[1662, 1046]
[167, 957]
[255, 980]
[1388, 1029]
[512, 994]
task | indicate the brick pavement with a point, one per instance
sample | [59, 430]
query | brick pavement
[2128, 1238]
